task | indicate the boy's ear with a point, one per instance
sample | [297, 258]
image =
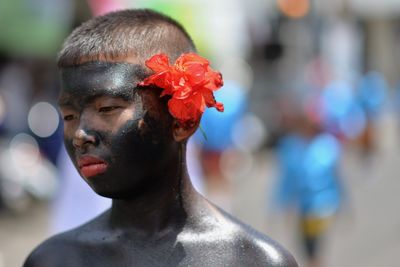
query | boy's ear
[183, 132]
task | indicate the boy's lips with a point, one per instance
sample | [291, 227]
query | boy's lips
[91, 166]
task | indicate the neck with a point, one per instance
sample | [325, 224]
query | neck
[160, 210]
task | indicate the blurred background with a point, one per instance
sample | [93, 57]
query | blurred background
[306, 151]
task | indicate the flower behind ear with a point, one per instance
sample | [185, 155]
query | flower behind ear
[190, 82]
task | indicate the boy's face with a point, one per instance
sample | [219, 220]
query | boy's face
[116, 134]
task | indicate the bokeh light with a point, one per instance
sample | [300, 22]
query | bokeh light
[294, 8]
[24, 151]
[43, 119]
[249, 133]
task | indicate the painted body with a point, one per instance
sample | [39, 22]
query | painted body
[126, 147]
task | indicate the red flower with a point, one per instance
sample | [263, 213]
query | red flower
[190, 82]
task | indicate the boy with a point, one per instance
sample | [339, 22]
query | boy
[129, 144]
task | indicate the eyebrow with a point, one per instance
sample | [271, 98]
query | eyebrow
[124, 95]
[64, 100]
[67, 100]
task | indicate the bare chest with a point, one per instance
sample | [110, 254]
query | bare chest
[129, 253]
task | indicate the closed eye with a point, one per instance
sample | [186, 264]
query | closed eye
[108, 109]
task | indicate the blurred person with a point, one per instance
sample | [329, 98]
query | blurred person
[308, 181]
[129, 144]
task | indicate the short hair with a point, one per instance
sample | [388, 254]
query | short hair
[138, 32]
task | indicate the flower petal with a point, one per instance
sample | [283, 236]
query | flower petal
[219, 106]
[158, 63]
[190, 82]
[189, 58]
[195, 73]
[199, 102]
[184, 110]
[160, 80]
[214, 79]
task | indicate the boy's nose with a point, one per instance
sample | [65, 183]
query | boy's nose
[82, 138]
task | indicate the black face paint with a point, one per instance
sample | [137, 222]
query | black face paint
[87, 81]
[138, 150]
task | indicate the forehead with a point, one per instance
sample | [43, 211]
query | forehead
[99, 78]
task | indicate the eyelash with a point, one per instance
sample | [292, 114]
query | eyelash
[69, 117]
[108, 109]
[102, 110]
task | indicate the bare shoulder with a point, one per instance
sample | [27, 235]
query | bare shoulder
[52, 251]
[256, 249]
[65, 249]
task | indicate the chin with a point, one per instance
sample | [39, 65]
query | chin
[114, 193]
[109, 193]
[119, 186]
[104, 193]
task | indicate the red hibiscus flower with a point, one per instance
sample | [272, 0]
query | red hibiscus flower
[190, 82]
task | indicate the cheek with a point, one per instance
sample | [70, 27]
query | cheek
[125, 139]
[138, 142]
[69, 129]
[69, 148]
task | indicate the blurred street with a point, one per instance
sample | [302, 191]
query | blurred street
[312, 106]
[366, 232]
